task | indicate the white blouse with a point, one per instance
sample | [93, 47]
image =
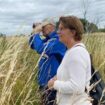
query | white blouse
[73, 76]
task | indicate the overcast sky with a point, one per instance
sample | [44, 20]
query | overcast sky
[17, 16]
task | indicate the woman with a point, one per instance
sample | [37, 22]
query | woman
[74, 73]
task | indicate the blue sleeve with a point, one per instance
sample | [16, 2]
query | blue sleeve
[58, 50]
[37, 43]
[54, 47]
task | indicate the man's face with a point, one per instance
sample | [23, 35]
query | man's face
[48, 29]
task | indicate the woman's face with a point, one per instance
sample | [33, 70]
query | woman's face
[65, 34]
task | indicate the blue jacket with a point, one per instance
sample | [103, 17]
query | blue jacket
[53, 54]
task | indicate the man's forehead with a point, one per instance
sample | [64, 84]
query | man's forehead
[47, 25]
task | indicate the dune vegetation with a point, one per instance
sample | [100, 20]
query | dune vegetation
[18, 67]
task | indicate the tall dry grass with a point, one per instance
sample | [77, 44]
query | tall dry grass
[18, 72]
[95, 44]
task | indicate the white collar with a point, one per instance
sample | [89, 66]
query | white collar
[79, 44]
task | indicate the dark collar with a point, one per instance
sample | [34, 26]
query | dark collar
[52, 35]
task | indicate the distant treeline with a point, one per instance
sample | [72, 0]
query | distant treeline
[89, 27]
[1, 34]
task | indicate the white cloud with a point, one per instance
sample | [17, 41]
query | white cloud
[15, 13]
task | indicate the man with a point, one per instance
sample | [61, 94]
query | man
[52, 51]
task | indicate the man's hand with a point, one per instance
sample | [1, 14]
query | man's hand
[51, 82]
[38, 29]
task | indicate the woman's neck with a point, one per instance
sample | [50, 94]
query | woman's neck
[71, 43]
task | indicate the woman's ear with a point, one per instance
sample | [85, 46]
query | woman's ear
[73, 32]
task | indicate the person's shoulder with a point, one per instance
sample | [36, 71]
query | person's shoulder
[54, 34]
[59, 45]
[79, 47]
[78, 52]
[55, 40]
